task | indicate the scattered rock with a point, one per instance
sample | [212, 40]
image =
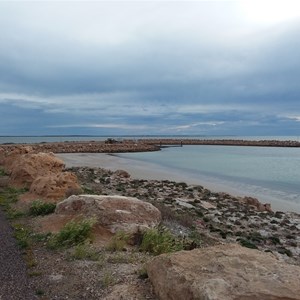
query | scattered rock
[112, 212]
[227, 272]
[121, 173]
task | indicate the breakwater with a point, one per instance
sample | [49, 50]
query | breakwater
[142, 145]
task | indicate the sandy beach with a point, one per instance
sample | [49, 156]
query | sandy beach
[148, 171]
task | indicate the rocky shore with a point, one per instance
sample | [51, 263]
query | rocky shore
[218, 216]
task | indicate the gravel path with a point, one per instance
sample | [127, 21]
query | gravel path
[13, 274]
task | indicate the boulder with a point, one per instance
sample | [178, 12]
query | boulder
[55, 186]
[27, 167]
[257, 205]
[11, 155]
[227, 272]
[112, 212]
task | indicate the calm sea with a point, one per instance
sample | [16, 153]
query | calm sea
[270, 174]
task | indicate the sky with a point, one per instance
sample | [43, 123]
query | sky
[150, 67]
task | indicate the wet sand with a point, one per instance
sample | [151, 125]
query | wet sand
[149, 171]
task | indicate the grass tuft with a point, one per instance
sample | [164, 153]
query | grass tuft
[73, 233]
[158, 241]
[40, 208]
[118, 241]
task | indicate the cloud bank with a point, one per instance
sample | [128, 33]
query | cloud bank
[147, 68]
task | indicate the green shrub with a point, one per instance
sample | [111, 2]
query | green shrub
[158, 241]
[40, 208]
[73, 233]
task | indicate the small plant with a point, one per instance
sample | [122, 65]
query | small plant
[10, 195]
[158, 241]
[118, 241]
[2, 172]
[108, 279]
[142, 273]
[73, 233]
[246, 243]
[39, 292]
[22, 235]
[40, 208]
[85, 251]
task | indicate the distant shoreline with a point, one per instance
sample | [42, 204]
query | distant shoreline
[143, 145]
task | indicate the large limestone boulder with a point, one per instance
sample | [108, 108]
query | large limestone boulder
[55, 186]
[27, 167]
[112, 212]
[227, 272]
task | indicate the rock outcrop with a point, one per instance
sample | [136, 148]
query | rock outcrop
[55, 186]
[42, 173]
[112, 212]
[227, 272]
[27, 167]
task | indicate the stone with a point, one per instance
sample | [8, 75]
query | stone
[121, 173]
[258, 205]
[55, 186]
[27, 167]
[112, 212]
[227, 272]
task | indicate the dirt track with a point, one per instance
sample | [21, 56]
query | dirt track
[13, 274]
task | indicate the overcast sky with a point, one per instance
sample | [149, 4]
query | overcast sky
[156, 67]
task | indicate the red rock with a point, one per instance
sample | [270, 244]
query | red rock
[55, 186]
[27, 167]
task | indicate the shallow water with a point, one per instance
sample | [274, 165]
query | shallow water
[270, 174]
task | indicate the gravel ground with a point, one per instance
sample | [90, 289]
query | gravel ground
[13, 275]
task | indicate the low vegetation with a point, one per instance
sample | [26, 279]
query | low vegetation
[158, 241]
[85, 251]
[2, 172]
[73, 233]
[118, 241]
[39, 208]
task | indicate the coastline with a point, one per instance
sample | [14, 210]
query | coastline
[150, 171]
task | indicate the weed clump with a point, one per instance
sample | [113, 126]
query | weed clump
[2, 172]
[40, 208]
[85, 251]
[118, 241]
[158, 241]
[73, 233]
